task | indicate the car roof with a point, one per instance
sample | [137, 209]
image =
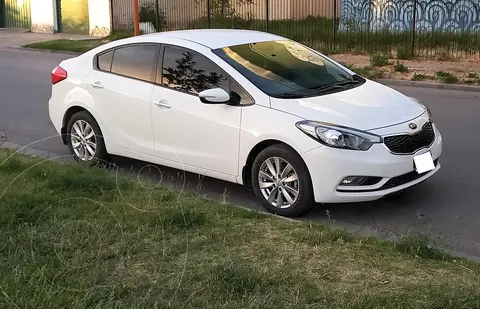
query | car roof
[216, 38]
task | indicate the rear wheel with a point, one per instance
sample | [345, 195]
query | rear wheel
[281, 181]
[85, 139]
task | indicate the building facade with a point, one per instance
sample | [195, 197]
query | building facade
[91, 17]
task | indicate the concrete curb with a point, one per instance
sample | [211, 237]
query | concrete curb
[429, 85]
[50, 51]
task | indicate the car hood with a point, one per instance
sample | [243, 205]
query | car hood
[366, 107]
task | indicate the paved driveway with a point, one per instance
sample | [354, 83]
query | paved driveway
[447, 207]
[19, 37]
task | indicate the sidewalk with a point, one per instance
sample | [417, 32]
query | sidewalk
[17, 37]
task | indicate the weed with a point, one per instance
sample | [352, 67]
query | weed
[400, 67]
[418, 246]
[444, 56]
[379, 60]
[404, 52]
[447, 77]
[422, 77]
[184, 218]
[473, 75]
[370, 72]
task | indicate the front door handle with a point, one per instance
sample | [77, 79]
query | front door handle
[97, 85]
[162, 103]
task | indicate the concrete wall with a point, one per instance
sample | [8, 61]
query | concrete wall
[99, 17]
[43, 14]
[44, 17]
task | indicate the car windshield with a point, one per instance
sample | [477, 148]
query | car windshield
[286, 69]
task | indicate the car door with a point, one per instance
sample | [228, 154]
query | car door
[187, 131]
[121, 87]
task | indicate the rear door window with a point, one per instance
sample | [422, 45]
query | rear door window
[105, 61]
[136, 61]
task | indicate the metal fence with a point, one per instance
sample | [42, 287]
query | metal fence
[431, 28]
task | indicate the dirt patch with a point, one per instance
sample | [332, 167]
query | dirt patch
[464, 69]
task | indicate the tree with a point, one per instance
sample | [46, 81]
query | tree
[224, 8]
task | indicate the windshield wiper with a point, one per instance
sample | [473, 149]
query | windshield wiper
[318, 90]
[337, 85]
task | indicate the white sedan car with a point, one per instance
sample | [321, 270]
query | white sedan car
[247, 107]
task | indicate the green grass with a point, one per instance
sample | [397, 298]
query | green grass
[77, 237]
[78, 46]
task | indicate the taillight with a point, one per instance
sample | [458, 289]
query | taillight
[58, 74]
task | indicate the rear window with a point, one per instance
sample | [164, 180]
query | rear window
[283, 67]
[105, 61]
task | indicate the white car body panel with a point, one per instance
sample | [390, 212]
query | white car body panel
[196, 134]
[216, 140]
[124, 107]
[367, 107]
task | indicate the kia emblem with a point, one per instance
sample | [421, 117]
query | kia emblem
[412, 126]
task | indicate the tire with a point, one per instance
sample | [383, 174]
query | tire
[100, 155]
[302, 202]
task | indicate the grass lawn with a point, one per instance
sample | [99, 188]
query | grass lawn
[76, 237]
[78, 46]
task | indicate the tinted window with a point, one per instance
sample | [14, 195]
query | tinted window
[283, 67]
[136, 61]
[191, 72]
[235, 88]
[105, 61]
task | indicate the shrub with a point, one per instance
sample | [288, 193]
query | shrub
[473, 75]
[400, 67]
[379, 60]
[447, 77]
[370, 72]
[444, 56]
[148, 13]
[404, 52]
[420, 77]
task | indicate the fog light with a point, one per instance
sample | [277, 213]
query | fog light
[353, 181]
[360, 181]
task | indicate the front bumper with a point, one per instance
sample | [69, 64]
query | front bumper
[329, 166]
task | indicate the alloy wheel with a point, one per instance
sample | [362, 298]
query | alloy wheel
[278, 182]
[84, 141]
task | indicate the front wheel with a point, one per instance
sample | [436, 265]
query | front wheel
[282, 182]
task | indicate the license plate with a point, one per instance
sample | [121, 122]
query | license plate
[423, 163]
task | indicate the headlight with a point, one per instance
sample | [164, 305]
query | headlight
[423, 105]
[337, 136]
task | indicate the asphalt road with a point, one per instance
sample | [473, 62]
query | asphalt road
[446, 207]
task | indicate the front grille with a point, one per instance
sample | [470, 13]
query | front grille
[408, 144]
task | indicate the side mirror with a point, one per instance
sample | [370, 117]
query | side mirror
[214, 96]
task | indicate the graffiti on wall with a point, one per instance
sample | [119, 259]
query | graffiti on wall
[398, 15]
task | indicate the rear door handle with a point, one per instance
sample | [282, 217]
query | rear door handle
[97, 85]
[162, 103]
